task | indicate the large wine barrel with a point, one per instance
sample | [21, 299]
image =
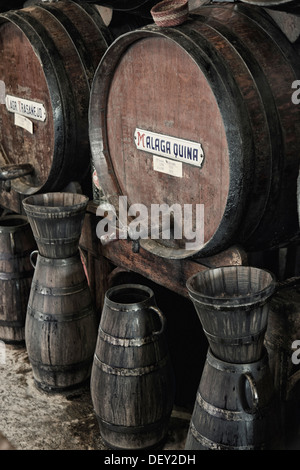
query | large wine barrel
[49, 53]
[290, 6]
[202, 113]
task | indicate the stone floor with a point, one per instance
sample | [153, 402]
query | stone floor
[31, 419]
[35, 420]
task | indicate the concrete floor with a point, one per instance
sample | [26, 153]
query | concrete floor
[31, 419]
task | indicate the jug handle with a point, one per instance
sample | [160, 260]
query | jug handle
[254, 394]
[161, 317]
[31, 260]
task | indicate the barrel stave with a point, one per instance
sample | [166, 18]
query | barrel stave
[16, 272]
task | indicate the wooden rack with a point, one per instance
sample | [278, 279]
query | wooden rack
[103, 261]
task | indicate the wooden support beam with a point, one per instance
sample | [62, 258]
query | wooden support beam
[169, 273]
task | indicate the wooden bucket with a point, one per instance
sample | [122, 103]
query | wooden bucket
[49, 53]
[283, 329]
[56, 220]
[132, 380]
[61, 326]
[282, 341]
[203, 114]
[232, 305]
[16, 272]
[235, 408]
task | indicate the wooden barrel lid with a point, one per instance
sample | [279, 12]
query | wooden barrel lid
[23, 77]
[206, 85]
[49, 53]
[140, 100]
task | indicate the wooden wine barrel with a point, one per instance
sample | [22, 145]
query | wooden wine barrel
[290, 6]
[61, 325]
[202, 114]
[49, 53]
[16, 272]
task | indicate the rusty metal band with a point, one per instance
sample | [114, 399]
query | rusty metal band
[232, 368]
[58, 291]
[60, 318]
[139, 429]
[125, 372]
[56, 241]
[227, 415]
[75, 367]
[126, 342]
[250, 339]
[205, 442]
